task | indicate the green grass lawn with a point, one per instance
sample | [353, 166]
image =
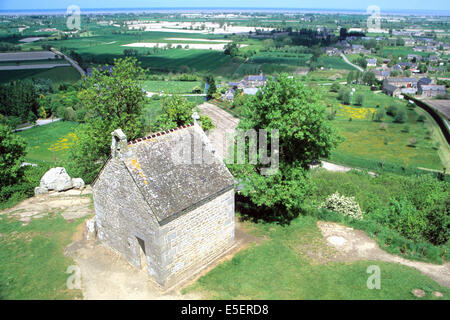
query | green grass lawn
[365, 139]
[49, 142]
[335, 63]
[176, 87]
[33, 264]
[278, 268]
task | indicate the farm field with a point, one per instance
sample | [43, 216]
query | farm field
[334, 63]
[284, 266]
[49, 142]
[366, 139]
[56, 75]
[176, 87]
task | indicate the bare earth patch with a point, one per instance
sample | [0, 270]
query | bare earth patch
[72, 204]
[351, 245]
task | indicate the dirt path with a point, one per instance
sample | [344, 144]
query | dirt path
[351, 245]
[224, 123]
[353, 65]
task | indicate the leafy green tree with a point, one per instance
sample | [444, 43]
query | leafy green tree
[176, 111]
[209, 79]
[359, 99]
[369, 78]
[344, 95]
[379, 115]
[231, 49]
[296, 111]
[111, 101]
[400, 117]
[12, 153]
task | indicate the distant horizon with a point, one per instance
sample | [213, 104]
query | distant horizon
[231, 9]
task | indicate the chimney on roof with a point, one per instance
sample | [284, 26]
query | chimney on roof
[119, 144]
[196, 117]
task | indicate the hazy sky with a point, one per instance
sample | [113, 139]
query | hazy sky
[316, 4]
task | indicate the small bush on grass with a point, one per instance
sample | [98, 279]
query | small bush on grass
[392, 110]
[400, 117]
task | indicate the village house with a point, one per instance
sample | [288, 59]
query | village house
[402, 82]
[431, 90]
[253, 81]
[414, 57]
[165, 203]
[229, 94]
[371, 62]
[381, 74]
[331, 51]
[391, 90]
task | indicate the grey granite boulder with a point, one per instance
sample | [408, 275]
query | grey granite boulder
[39, 190]
[78, 183]
[56, 179]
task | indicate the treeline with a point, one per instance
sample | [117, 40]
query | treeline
[24, 101]
[19, 102]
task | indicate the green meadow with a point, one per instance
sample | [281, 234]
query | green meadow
[50, 142]
[284, 266]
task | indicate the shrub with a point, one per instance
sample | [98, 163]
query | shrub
[379, 115]
[346, 206]
[344, 95]
[403, 217]
[392, 110]
[69, 114]
[383, 126]
[421, 118]
[335, 87]
[400, 117]
[206, 122]
[405, 129]
[359, 99]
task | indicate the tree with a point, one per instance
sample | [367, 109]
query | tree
[305, 135]
[400, 117]
[379, 115]
[231, 49]
[335, 87]
[350, 77]
[369, 78]
[111, 101]
[344, 95]
[268, 44]
[12, 153]
[359, 99]
[176, 111]
[209, 79]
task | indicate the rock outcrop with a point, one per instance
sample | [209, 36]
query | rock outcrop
[57, 179]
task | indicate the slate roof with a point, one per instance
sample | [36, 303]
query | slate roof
[170, 187]
[424, 81]
[390, 88]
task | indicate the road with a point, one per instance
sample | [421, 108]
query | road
[353, 65]
[39, 122]
[150, 94]
[72, 62]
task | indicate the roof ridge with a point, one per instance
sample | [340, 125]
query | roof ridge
[160, 133]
